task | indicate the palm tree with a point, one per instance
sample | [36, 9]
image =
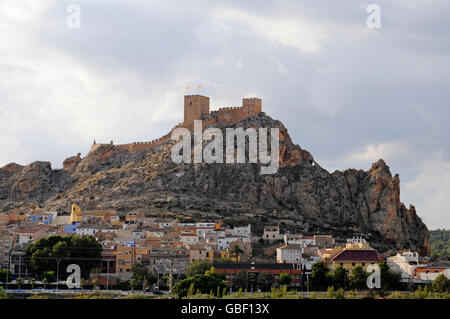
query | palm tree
[236, 251]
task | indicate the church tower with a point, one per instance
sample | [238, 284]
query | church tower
[76, 216]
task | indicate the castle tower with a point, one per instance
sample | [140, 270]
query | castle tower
[194, 107]
[76, 216]
[252, 105]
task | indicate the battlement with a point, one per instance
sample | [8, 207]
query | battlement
[196, 107]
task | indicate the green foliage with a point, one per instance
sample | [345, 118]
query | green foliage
[2, 293]
[441, 284]
[201, 283]
[84, 251]
[352, 294]
[265, 281]
[19, 282]
[278, 293]
[440, 244]
[314, 295]
[224, 260]
[141, 277]
[48, 276]
[319, 276]
[236, 251]
[358, 278]
[198, 267]
[330, 292]
[5, 274]
[390, 280]
[340, 294]
[340, 277]
[241, 279]
[285, 279]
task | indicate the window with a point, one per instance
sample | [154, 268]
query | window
[353, 264]
[342, 264]
[363, 264]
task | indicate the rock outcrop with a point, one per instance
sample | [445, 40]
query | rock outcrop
[301, 196]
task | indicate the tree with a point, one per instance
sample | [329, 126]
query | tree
[236, 251]
[223, 260]
[5, 275]
[265, 281]
[140, 276]
[390, 280]
[340, 277]
[49, 275]
[202, 283]
[241, 279]
[284, 279]
[84, 251]
[44, 281]
[33, 283]
[19, 282]
[198, 267]
[358, 278]
[441, 284]
[319, 276]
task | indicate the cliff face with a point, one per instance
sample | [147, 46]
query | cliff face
[301, 197]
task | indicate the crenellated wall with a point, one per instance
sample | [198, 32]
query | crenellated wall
[196, 107]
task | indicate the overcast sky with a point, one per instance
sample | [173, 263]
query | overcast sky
[347, 93]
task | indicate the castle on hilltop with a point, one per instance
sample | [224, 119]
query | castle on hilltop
[196, 107]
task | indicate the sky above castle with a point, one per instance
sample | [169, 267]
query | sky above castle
[347, 93]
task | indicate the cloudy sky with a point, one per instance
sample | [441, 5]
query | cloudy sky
[349, 94]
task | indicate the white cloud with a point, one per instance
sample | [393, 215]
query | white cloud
[391, 151]
[429, 192]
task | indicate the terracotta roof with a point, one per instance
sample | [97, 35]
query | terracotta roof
[357, 254]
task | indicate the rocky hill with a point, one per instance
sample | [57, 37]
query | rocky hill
[301, 197]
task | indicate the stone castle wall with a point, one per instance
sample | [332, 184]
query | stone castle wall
[196, 107]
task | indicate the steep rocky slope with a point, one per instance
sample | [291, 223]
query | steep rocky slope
[301, 197]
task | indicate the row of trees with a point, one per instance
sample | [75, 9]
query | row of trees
[47, 255]
[322, 278]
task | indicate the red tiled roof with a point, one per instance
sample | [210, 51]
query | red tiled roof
[357, 254]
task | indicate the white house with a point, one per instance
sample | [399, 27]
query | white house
[304, 241]
[405, 263]
[189, 238]
[244, 231]
[224, 243]
[290, 254]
